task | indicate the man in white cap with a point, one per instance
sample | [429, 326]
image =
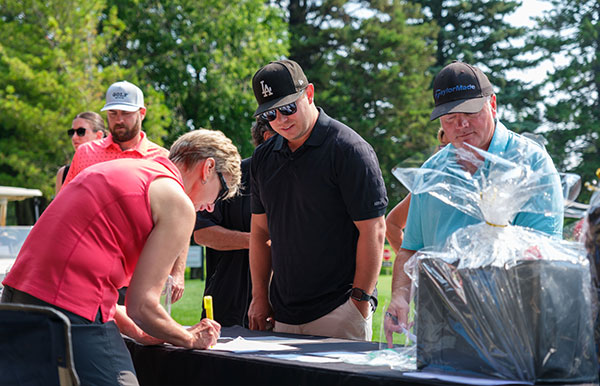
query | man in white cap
[125, 111]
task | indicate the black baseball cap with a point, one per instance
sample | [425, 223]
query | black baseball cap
[459, 88]
[278, 84]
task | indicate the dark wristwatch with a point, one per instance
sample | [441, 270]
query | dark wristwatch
[360, 295]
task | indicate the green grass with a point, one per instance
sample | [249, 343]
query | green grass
[188, 310]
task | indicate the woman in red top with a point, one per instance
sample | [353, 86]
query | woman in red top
[123, 222]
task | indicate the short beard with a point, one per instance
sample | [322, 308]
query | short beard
[129, 134]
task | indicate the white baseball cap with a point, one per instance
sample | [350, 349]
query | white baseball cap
[124, 96]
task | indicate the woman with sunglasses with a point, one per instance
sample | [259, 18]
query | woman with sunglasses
[123, 222]
[87, 126]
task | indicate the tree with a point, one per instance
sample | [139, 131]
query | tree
[202, 55]
[45, 77]
[48, 74]
[476, 32]
[569, 36]
[369, 62]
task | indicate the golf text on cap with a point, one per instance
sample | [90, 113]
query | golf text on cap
[460, 87]
[266, 90]
[119, 95]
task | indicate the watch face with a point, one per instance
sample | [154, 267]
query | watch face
[359, 294]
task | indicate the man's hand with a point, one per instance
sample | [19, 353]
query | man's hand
[396, 317]
[205, 333]
[177, 288]
[260, 315]
[178, 274]
[399, 305]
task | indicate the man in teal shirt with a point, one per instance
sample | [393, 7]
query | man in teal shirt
[466, 105]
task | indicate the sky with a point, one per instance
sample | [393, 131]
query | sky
[529, 8]
[521, 18]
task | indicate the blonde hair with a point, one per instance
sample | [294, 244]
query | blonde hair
[198, 145]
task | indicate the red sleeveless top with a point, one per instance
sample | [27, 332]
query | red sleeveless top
[86, 244]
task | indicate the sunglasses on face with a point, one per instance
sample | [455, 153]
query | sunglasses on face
[288, 109]
[80, 132]
[224, 188]
[285, 110]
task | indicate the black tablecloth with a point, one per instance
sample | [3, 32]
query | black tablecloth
[168, 365]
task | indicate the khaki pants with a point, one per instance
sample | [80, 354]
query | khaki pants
[346, 322]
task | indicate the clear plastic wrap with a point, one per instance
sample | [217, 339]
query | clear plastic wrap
[484, 185]
[498, 299]
[591, 238]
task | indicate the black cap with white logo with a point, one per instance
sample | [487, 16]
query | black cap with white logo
[460, 88]
[278, 84]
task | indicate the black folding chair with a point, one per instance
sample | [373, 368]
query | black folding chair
[35, 346]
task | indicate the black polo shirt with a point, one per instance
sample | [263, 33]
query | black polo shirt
[311, 197]
[228, 272]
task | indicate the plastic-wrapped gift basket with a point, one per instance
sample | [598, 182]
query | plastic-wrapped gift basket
[498, 299]
[591, 238]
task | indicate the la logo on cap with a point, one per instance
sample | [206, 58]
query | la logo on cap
[266, 90]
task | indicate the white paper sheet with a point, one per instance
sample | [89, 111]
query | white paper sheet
[344, 356]
[281, 339]
[240, 345]
[303, 358]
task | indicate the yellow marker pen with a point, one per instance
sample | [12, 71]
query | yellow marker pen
[208, 306]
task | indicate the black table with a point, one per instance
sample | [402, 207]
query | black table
[168, 365]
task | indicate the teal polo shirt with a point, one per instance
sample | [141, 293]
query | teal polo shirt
[430, 221]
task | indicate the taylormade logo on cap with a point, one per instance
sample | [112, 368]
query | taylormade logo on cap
[124, 96]
[460, 87]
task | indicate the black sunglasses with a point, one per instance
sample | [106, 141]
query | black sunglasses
[288, 109]
[80, 131]
[285, 110]
[224, 188]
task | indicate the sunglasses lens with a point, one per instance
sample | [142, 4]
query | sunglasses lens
[269, 115]
[288, 109]
[224, 188]
[80, 131]
[285, 110]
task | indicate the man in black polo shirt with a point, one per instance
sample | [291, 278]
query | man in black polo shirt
[226, 234]
[318, 195]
